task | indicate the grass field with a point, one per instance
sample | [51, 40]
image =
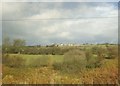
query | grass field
[107, 74]
[28, 58]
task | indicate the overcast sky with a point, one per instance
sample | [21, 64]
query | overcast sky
[60, 0]
[61, 22]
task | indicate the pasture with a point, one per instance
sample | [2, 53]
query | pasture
[29, 58]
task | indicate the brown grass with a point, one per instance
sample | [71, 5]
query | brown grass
[107, 74]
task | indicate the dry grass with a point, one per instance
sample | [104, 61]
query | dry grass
[107, 74]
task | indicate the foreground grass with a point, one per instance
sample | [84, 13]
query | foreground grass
[106, 74]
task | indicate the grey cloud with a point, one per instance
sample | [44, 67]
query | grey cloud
[47, 31]
[38, 9]
[60, 1]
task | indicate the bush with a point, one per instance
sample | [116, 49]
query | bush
[94, 59]
[40, 62]
[112, 52]
[0, 58]
[101, 52]
[88, 54]
[58, 66]
[93, 62]
[13, 61]
[74, 61]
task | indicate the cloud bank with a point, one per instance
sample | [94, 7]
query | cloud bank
[61, 22]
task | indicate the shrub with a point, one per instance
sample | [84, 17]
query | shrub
[74, 61]
[57, 66]
[94, 49]
[112, 52]
[88, 54]
[93, 62]
[13, 61]
[94, 59]
[0, 57]
[101, 52]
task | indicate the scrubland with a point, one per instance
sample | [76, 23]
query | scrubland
[90, 65]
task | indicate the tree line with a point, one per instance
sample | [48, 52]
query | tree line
[18, 46]
[13, 46]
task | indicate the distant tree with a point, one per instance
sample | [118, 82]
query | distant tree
[18, 45]
[106, 44]
[6, 45]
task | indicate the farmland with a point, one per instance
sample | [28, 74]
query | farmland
[59, 42]
[51, 69]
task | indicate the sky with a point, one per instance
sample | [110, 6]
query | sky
[0, 23]
[61, 22]
[59, 0]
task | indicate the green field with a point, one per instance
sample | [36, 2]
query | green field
[28, 58]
